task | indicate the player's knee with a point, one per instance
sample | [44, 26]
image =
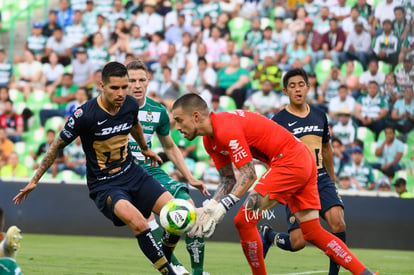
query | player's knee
[297, 243]
[242, 220]
[338, 226]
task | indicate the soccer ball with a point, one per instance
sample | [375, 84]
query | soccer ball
[178, 216]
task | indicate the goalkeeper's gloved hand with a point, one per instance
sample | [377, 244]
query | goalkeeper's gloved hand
[216, 211]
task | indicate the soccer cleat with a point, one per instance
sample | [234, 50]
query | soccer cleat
[206, 273]
[264, 235]
[180, 270]
[11, 242]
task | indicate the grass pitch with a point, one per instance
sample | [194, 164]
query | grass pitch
[46, 254]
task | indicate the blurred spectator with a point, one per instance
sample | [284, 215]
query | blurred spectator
[313, 38]
[298, 54]
[402, 114]
[14, 169]
[345, 182]
[51, 24]
[343, 100]
[358, 45]
[281, 35]
[221, 24]
[215, 104]
[118, 12]
[314, 95]
[372, 74]
[321, 21]
[209, 7]
[157, 47]
[192, 58]
[76, 33]
[215, 45]
[82, 68]
[351, 78]
[298, 23]
[390, 91]
[384, 185]
[205, 32]
[97, 77]
[405, 74]
[340, 157]
[268, 70]
[176, 62]
[361, 173]
[6, 69]
[311, 8]
[64, 94]
[331, 85]
[175, 32]
[389, 153]
[120, 32]
[58, 165]
[98, 54]
[333, 42]
[252, 38]
[30, 74]
[225, 58]
[383, 11]
[134, 7]
[103, 7]
[150, 21]
[81, 96]
[400, 25]
[400, 186]
[12, 122]
[265, 101]
[345, 129]
[233, 81]
[102, 27]
[171, 18]
[78, 4]
[59, 44]
[6, 146]
[386, 45]
[64, 14]
[267, 47]
[4, 96]
[74, 158]
[137, 44]
[348, 24]
[407, 47]
[198, 78]
[52, 74]
[371, 109]
[186, 47]
[36, 41]
[169, 88]
[365, 10]
[210, 174]
[89, 18]
[340, 11]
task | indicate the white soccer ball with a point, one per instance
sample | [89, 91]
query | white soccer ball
[178, 216]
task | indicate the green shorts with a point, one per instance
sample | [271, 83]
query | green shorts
[178, 189]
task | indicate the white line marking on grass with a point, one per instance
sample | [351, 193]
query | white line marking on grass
[304, 273]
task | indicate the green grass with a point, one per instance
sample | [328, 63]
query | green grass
[46, 254]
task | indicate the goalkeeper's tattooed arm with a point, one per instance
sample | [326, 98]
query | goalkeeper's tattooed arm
[228, 182]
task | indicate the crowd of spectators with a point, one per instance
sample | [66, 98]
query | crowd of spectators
[237, 51]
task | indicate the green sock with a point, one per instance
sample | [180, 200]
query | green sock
[157, 233]
[195, 246]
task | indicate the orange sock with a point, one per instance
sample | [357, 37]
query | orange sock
[245, 222]
[331, 245]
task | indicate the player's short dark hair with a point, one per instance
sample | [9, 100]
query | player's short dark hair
[295, 72]
[190, 102]
[137, 65]
[113, 69]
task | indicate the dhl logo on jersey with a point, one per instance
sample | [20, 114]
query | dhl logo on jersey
[306, 129]
[112, 130]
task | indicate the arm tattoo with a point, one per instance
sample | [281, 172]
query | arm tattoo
[227, 181]
[247, 176]
[254, 201]
[50, 156]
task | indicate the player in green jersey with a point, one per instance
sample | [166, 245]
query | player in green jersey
[9, 244]
[155, 120]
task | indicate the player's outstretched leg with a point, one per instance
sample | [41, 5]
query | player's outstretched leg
[332, 246]
[245, 222]
[195, 247]
[11, 242]
[158, 232]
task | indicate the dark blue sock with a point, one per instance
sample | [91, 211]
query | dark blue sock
[283, 241]
[169, 242]
[334, 267]
[153, 252]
